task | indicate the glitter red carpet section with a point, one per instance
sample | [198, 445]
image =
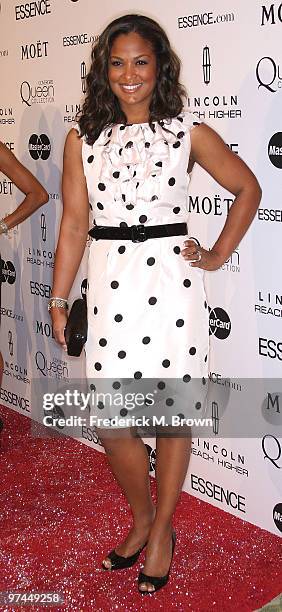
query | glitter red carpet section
[61, 511]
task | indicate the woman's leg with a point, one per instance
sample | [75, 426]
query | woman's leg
[172, 459]
[128, 458]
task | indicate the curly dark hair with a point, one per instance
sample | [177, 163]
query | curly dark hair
[101, 107]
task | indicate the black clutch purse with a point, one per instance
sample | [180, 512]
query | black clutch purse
[76, 328]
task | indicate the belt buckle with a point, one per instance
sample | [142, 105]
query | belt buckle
[138, 233]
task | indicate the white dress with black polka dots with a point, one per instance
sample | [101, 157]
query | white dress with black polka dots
[147, 310]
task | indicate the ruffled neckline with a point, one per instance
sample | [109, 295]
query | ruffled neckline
[133, 156]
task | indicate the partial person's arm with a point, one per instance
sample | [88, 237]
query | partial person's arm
[35, 194]
[212, 154]
[73, 230]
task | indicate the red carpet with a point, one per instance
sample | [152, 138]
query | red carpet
[61, 510]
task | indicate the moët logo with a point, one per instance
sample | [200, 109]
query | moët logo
[220, 324]
[39, 146]
[277, 516]
[275, 150]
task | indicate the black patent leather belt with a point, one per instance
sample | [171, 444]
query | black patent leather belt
[138, 233]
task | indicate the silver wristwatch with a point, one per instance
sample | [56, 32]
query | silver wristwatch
[56, 302]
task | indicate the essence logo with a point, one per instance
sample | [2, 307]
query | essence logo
[220, 324]
[32, 9]
[272, 451]
[268, 73]
[275, 150]
[83, 76]
[43, 227]
[39, 146]
[206, 65]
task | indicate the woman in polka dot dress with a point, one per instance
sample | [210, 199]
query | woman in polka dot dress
[130, 158]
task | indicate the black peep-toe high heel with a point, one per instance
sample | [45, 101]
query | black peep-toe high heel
[118, 562]
[157, 581]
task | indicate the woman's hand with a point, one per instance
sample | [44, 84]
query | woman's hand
[200, 257]
[59, 320]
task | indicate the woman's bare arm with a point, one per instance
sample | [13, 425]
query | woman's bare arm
[73, 230]
[35, 194]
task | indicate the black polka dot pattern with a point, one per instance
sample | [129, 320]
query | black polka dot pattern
[146, 340]
[166, 363]
[187, 282]
[147, 312]
[114, 284]
[169, 401]
[179, 323]
[142, 219]
[186, 378]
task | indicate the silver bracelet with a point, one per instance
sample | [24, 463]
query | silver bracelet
[3, 227]
[56, 302]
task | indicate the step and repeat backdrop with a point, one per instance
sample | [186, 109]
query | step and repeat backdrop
[232, 68]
